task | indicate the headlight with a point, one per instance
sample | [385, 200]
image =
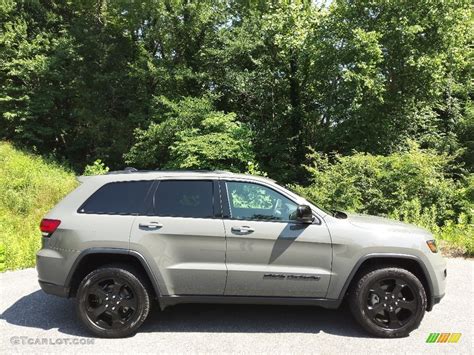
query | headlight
[432, 245]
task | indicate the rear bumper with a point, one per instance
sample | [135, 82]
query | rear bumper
[53, 266]
[53, 289]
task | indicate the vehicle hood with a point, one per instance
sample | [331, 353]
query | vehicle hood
[384, 224]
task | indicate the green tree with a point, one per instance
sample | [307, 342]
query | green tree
[191, 134]
[77, 78]
[260, 76]
[383, 72]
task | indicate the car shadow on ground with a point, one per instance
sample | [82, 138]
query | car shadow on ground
[42, 311]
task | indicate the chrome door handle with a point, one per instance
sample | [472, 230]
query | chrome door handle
[242, 229]
[151, 225]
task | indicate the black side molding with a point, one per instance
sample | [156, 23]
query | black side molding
[166, 301]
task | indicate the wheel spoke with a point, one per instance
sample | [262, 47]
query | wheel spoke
[116, 287]
[116, 319]
[410, 305]
[97, 311]
[373, 311]
[393, 320]
[99, 292]
[128, 302]
[398, 288]
[378, 290]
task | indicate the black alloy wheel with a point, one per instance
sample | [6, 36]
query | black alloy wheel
[388, 302]
[113, 301]
[391, 303]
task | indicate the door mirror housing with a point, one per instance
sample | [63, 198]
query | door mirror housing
[304, 214]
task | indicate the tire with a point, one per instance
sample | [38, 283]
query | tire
[113, 301]
[388, 302]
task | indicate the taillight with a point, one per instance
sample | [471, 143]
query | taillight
[48, 226]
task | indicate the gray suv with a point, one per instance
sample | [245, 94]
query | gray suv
[123, 239]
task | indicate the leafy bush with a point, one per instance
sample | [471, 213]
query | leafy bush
[96, 168]
[415, 186]
[190, 134]
[29, 187]
[2, 257]
[457, 238]
[396, 184]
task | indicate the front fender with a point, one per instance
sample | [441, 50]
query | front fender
[337, 290]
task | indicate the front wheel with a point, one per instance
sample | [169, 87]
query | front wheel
[388, 302]
[112, 301]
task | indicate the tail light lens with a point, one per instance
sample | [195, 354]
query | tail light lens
[49, 226]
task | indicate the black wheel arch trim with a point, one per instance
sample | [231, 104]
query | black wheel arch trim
[114, 251]
[355, 269]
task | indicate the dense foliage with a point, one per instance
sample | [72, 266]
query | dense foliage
[376, 184]
[257, 86]
[29, 187]
[415, 186]
[192, 135]
[87, 80]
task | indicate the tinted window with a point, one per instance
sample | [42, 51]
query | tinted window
[257, 202]
[118, 198]
[185, 199]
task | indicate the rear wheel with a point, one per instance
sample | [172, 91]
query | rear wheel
[388, 302]
[113, 301]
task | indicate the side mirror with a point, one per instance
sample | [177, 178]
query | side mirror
[304, 214]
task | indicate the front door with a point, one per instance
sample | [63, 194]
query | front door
[184, 236]
[269, 253]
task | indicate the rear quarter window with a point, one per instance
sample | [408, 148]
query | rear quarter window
[118, 198]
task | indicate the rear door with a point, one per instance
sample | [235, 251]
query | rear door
[269, 253]
[185, 236]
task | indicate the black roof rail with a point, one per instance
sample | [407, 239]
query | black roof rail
[128, 169]
[134, 170]
[193, 171]
[222, 172]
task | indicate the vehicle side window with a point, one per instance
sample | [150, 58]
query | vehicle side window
[185, 198]
[118, 198]
[256, 202]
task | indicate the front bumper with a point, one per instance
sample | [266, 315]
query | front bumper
[438, 277]
[437, 299]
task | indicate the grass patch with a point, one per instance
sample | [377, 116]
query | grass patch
[29, 187]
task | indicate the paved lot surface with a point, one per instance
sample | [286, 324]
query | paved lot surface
[29, 315]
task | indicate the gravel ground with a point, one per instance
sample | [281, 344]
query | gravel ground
[28, 316]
